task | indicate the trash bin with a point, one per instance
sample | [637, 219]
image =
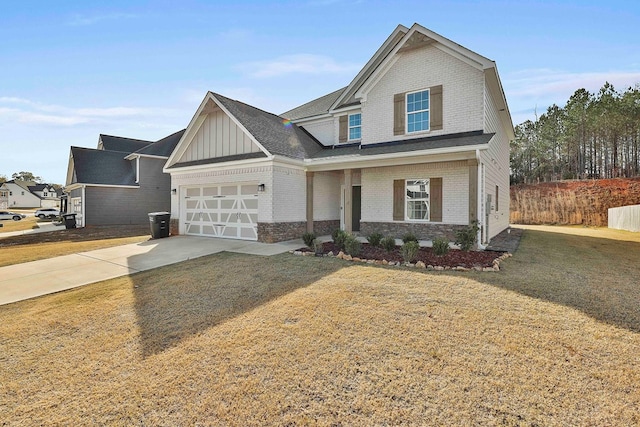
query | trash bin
[159, 224]
[69, 220]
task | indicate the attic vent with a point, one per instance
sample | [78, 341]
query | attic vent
[417, 40]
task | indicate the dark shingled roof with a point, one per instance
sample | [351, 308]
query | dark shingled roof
[407, 145]
[163, 147]
[124, 145]
[102, 167]
[313, 108]
[271, 131]
[231, 158]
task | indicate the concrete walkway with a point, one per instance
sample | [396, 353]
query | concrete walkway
[43, 228]
[31, 279]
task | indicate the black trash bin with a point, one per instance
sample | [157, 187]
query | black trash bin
[69, 220]
[159, 224]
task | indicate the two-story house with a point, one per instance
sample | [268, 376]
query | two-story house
[417, 142]
[24, 194]
[120, 181]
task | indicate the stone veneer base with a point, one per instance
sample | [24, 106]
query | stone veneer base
[423, 231]
[174, 226]
[272, 232]
[324, 228]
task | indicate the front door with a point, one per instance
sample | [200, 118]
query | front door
[355, 204]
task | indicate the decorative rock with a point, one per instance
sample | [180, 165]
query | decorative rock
[430, 267]
[385, 262]
[477, 268]
[438, 268]
[356, 259]
[488, 269]
[297, 252]
[340, 255]
[496, 267]
[446, 267]
[347, 257]
[330, 253]
[420, 264]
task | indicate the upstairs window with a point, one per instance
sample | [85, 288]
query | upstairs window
[355, 126]
[418, 111]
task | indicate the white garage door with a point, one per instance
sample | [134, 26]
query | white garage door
[229, 211]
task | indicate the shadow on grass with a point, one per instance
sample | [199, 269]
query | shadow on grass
[598, 276]
[176, 302]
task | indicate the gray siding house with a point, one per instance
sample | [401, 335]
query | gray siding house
[121, 181]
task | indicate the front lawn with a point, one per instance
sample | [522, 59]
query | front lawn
[551, 339]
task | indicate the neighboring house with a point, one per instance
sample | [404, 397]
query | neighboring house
[23, 194]
[120, 182]
[49, 195]
[417, 142]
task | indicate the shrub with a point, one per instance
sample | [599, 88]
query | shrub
[352, 245]
[440, 246]
[388, 243]
[308, 239]
[339, 237]
[409, 237]
[409, 250]
[374, 239]
[466, 237]
[317, 246]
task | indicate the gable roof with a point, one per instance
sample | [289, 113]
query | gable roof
[313, 108]
[163, 147]
[94, 166]
[122, 144]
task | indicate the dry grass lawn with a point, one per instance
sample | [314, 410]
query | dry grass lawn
[28, 223]
[233, 339]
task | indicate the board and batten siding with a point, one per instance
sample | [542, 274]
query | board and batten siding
[496, 166]
[419, 69]
[377, 189]
[218, 136]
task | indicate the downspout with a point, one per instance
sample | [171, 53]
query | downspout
[479, 203]
[83, 204]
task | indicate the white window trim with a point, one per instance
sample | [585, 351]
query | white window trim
[349, 127]
[406, 112]
[406, 201]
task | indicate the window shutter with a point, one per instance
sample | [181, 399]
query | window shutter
[398, 114]
[342, 137]
[398, 199]
[435, 185]
[436, 107]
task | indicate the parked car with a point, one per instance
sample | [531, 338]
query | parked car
[47, 213]
[11, 215]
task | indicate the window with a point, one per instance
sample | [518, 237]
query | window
[22, 193]
[45, 194]
[355, 126]
[497, 192]
[418, 111]
[417, 199]
[11, 193]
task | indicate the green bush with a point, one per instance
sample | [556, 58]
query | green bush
[388, 243]
[440, 246]
[409, 237]
[375, 238]
[339, 237]
[409, 250]
[308, 239]
[352, 245]
[466, 237]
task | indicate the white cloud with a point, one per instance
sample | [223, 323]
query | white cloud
[298, 64]
[26, 111]
[532, 91]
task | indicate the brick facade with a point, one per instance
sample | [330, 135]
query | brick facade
[423, 231]
[272, 232]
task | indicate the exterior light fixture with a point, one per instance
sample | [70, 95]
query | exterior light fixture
[260, 188]
[174, 191]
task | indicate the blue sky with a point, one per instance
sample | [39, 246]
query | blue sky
[70, 70]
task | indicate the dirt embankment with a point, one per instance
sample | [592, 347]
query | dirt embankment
[572, 202]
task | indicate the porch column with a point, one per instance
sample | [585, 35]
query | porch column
[473, 190]
[310, 202]
[348, 196]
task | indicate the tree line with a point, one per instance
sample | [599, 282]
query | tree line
[592, 136]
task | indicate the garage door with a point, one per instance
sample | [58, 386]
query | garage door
[229, 211]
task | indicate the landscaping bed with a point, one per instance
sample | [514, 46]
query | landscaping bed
[453, 259]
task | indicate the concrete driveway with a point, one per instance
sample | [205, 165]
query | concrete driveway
[28, 280]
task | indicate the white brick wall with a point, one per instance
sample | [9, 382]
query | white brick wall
[289, 191]
[377, 190]
[324, 131]
[462, 87]
[496, 161]
[326, 196]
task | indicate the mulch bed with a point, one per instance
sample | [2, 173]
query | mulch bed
[454, 258]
